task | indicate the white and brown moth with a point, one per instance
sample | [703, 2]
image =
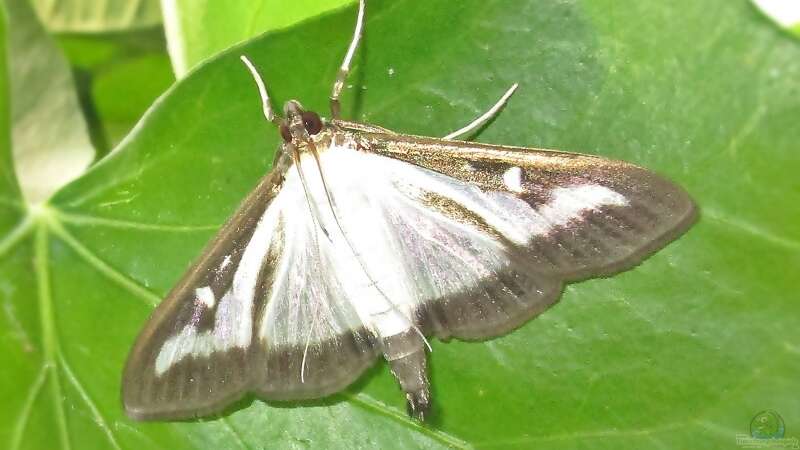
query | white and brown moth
[361, 242]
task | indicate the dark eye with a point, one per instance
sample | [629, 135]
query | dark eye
[312, 122]
[285, 133]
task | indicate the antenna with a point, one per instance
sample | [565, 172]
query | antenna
[262, 91]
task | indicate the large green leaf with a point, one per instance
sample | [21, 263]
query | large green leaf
[199, 29]
[679, 353]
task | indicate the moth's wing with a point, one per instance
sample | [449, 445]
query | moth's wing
[318, 343]
[393, 255]
[194, 355]
[575, 216]
[201, 348]
[486, 235]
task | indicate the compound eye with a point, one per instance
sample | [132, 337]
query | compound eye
[285, 133]
[312, 122]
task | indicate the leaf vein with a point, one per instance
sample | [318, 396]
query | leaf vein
[368, 402]
[234, 432]
[27, 407]
[16, 235]
[752, 229]
[101, 266]
[584, 435]
[81, 219]
[98, 418]
[49, 338]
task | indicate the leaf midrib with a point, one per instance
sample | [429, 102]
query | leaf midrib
[47, 324]
[42, 225]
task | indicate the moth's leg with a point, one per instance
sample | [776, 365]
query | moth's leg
[283, 159]
[348, 58]
[485, 117]
[405, 353]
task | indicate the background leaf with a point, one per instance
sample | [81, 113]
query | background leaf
[132, 66]
[8, 182]
[51, 141]
[82, 16]
[199, 29]
[679, 353]
[10, 202]
[19, 348]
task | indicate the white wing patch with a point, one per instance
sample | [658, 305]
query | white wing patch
[205, 296]
[228, 332]
[513, 179]
[389, 252]
[568, 203]
[225, 263]
[233, 321]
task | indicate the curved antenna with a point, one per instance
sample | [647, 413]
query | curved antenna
[262, 91]
[485, 117]
[348, 58]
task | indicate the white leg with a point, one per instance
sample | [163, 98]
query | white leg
[485, 117]
[338, 85]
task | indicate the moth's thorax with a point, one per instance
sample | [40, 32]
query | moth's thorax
[324, 139]
[303, 142]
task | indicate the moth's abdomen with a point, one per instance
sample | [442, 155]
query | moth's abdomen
[405, 353]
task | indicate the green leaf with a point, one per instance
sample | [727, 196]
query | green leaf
[680, 352]
[51, 140]
[199, 29]
[19, 350]
[142, 78]
[8, 181]
[89, 16]
[133, 65]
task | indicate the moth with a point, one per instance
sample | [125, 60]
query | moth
[362, 243]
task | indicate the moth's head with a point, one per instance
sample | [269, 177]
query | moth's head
[298, 124]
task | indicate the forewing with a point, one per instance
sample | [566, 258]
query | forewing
[474, 239]
[403, 257]
[194, 354]
[203, 346]
[317, 342]
[571, 215]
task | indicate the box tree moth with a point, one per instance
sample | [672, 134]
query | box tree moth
[362, 242]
